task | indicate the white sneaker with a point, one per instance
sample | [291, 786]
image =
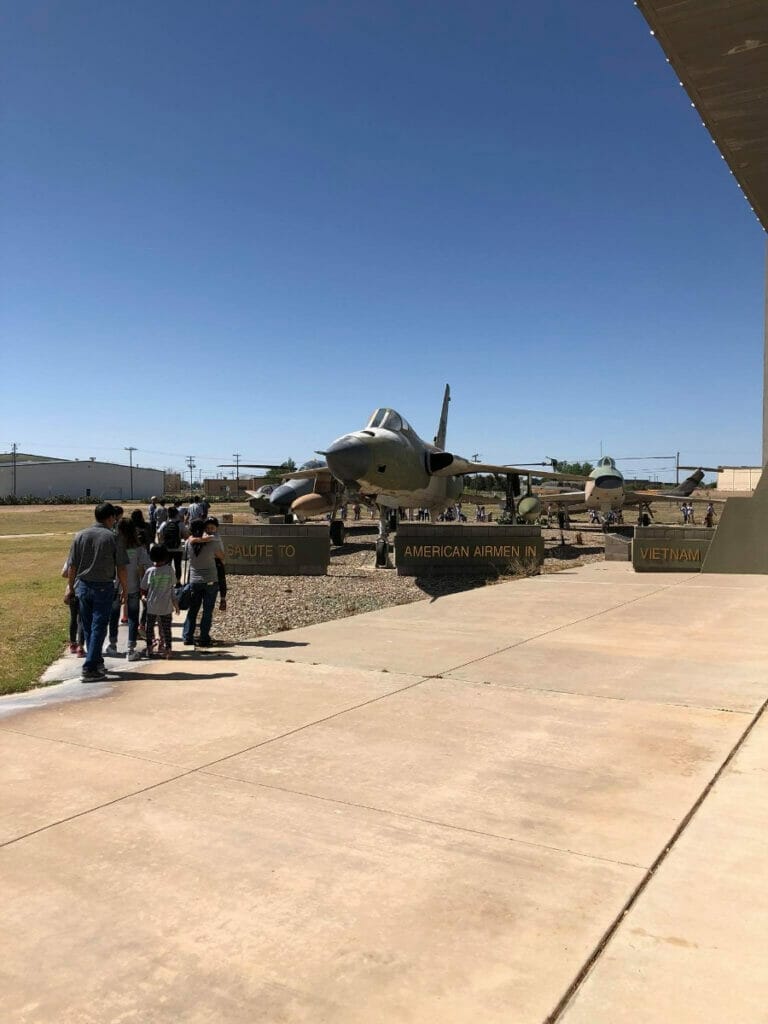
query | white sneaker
[134, 655]
[111, 650]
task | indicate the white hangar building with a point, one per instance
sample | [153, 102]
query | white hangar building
[43, 477]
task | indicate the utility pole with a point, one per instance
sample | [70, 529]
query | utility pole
[191, 464]
[130, 449]
[236, 457]
[14, 449]
[677, 468]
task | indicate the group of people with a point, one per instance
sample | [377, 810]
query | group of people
[132, 567]
[686, 511]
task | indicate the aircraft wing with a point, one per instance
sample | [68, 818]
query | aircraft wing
[309, 474]
[646, 497]
[562, 497]
[247, 465]
[445, 464]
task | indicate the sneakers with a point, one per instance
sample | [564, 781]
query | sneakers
[124, 621]
[134, 655]
[73, 648]
[92, 675]
[110, 650]
[80, 652]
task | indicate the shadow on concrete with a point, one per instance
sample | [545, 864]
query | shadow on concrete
[441, 586]
[568, 552]
[271, 643]
[127, 677]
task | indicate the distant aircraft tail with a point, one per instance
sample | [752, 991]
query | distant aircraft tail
[688, 486]
[442, 427]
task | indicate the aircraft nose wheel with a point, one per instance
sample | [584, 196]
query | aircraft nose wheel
[382, 551]
[337, 533]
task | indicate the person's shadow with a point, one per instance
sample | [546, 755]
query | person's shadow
[173, 675]
[271, 643]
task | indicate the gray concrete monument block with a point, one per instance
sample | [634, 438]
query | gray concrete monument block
[277, 550]
[670, 548]
[618, 547]
[426, 549]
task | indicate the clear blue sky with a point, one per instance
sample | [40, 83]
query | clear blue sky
[241, 226]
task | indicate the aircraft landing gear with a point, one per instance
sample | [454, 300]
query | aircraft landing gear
[337, 532]
[382, 544]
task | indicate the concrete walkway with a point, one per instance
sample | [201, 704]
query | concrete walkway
[539, 801]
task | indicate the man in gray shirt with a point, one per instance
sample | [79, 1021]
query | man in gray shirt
[94, 559]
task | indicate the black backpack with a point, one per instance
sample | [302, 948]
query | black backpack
[172, 534]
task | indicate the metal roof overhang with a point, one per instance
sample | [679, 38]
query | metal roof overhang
[719, 49]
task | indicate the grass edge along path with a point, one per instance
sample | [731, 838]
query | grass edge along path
[33, 618]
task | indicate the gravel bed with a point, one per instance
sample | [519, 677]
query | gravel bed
[260, 605]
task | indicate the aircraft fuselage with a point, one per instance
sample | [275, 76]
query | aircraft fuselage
[390, 465]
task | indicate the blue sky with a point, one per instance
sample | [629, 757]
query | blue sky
[241, 226]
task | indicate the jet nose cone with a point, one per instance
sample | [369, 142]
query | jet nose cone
[282, 496]
[348, 458]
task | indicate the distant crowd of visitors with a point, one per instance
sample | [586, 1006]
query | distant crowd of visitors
[129, 570]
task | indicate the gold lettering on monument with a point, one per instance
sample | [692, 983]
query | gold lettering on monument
[670, 554]
[437, 551]
[485, 551]
[262, 552]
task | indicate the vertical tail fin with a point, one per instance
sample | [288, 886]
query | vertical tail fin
[442, 427]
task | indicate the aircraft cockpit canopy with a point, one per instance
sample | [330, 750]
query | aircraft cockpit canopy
[607, 461]
[388, 419]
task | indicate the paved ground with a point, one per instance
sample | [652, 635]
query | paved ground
[539, 801]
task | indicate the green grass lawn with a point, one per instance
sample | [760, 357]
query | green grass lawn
[33, 617]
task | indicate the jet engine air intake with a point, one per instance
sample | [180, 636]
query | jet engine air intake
[529, 508]
[608, 483]
[437, 461]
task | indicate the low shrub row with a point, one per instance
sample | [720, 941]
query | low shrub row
[66, 499]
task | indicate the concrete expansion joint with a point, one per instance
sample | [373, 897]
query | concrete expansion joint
[90, 746]
[435, 822]
[97, 807]
[189, 771]
[586, 968]
[549, 692]
[565, 625]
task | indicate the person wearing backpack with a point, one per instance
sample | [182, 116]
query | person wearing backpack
[172, 534]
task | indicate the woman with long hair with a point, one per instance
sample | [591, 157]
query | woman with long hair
[138, 562]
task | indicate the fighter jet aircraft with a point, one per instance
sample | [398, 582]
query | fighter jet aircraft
[605, 492]
[274, 498]
[388, 464]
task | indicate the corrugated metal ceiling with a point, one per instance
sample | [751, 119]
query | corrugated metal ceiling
[719, 49]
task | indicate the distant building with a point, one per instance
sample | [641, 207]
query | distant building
[226, 487]
[173, 484]
[40, 476]
[738, 478]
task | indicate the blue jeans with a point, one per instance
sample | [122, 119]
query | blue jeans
[203, 594]
[95, 605]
